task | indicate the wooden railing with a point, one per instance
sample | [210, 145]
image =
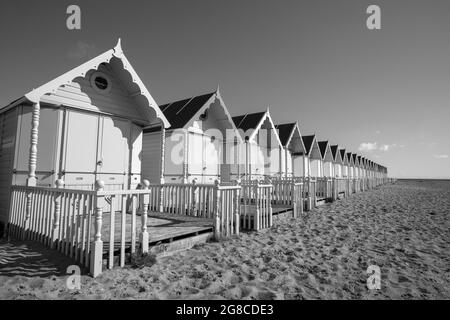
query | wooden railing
[72, 221]
[256, 211]
[309, 193]
[288, 192]
[59, 218]
[324, 188]
[341, 186]
[297, 199]
[227, 212]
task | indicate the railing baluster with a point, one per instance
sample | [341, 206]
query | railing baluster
[133, 224]
[123, 230]
[83, 217]
[96, 262]
[144, 234]
[112, 225]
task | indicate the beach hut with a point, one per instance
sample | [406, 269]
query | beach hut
[351, 164]
[292, 142]
[201, 143]
[363, 167]
[360, 166]
[311, 158]
[82, 126]
[355, 166]
[327, 163]
[338, 162]
[345, 163]
[260, 154]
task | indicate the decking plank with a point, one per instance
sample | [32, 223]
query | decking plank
[159, 226]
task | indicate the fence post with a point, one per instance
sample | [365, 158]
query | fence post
[315, 194]
[256, 221]
[161, 196]
[270, 207]
[26, 225]
[144, 234]
[217, 225]
[294, 200]
[96, 262]
[236, 203]
[194, 198]
[59, 184]
[301, 198]
[309, 200]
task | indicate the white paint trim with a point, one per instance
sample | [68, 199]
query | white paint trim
[81, 71]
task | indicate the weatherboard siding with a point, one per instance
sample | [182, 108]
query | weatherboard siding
[8, 128]
[80, 94]
[151, 153]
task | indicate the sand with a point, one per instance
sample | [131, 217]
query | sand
[402, 228]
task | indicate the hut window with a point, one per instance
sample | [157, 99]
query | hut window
[101, 83]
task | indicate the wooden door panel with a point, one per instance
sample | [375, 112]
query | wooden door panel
[195, 154]
[211, 157]
[114, 146]
[81, 142]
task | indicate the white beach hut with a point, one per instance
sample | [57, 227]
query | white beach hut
[260, 155]
[338, 161]
[201, 144]
[291, 139]
[327, 159]
[311, 158]
[82, 126]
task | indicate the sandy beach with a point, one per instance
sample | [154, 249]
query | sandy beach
[402, 228]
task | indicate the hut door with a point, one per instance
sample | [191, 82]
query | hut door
[113, 153]
[81, 144]
[195, 157]
[210, 159]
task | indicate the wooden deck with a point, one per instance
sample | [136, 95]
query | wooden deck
[162, 228]
[279, 209]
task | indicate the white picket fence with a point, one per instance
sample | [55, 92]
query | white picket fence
[71, 221]
[256, 205]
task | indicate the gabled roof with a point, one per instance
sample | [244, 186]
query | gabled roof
[285, 132]
[350, 158]
[179, 113]
[355, 158]
[291, 137]
[343, 155]
[325, 151]
[323, 145]
[248, 121]
[308, 141]
[335, 153]
[252, 122]
[125, 71]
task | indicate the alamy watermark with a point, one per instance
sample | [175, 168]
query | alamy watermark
[73, 282]
[374, 279]
[374, 20]
[73, 21]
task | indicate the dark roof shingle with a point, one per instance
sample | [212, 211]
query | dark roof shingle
[323, 148]
[334, 152]
[179, 113]
[248, 121]
[284, 132]
[308, 142]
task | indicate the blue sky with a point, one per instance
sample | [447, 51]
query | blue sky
[384, 94]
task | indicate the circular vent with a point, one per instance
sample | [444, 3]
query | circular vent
[101, 82]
